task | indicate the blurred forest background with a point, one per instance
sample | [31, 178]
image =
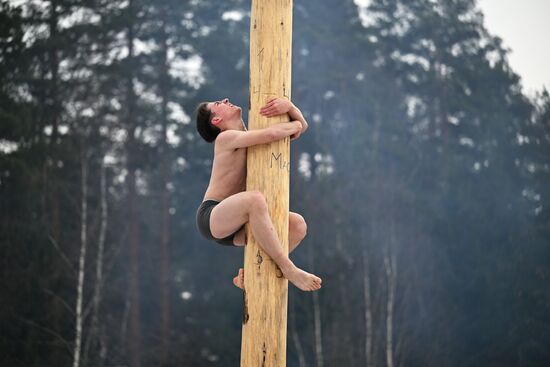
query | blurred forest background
[424, 179]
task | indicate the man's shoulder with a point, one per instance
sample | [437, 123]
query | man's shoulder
[225, 136]
[224, 139]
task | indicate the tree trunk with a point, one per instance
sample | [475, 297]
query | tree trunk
[390, 267]
[344, 341]
[55, 112]
[164, 204]
[49, 104]
[372, 214]
[82, 258]
[296, 337]
[98, 289]
[368, 308]
[134, 329]
[317, 319]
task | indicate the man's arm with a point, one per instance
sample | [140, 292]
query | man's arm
[277, 106]
[295, 114]
[234, 139]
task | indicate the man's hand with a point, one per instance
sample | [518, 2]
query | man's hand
[298, 133]
[276, 106]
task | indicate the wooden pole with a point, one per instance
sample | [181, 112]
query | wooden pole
[268, 167]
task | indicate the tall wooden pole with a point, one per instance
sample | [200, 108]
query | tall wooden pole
[268, 171]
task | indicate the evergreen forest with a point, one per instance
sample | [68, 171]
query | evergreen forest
[424, 178]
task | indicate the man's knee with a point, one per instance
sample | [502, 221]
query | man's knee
[298, 225]
[257, 200]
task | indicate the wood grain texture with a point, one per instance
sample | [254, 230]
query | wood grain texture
[268, 170]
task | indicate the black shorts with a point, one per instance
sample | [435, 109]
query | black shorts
[203, 223]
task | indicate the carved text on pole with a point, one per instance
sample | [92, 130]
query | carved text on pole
[279, 162]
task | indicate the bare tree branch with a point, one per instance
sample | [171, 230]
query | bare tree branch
[48, 331]
[65, 304]
[62, 254]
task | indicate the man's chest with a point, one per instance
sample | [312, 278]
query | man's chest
[232, 161]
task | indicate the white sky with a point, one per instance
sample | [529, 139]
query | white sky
[521, 25]
[524, 28]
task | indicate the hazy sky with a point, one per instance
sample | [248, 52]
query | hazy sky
[523, 25]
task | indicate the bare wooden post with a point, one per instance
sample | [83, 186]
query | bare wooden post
[266, 290]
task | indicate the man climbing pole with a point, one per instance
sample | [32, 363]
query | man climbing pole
[227, 206]
[251, 175]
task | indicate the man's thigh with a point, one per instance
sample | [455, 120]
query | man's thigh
[230, 214]
[295, 224]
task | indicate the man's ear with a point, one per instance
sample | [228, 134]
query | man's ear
[216, 120]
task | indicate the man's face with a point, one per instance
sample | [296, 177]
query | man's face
[223, 110]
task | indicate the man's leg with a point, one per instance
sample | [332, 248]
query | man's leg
[297, 230]
[251, 206]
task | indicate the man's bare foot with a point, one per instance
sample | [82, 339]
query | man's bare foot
[239, 279]
[302, 279]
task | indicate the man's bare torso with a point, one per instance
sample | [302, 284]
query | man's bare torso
[228, 175]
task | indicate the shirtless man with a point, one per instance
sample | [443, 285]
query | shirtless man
[227, 206]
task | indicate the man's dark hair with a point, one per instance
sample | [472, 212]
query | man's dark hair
[205, 128]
